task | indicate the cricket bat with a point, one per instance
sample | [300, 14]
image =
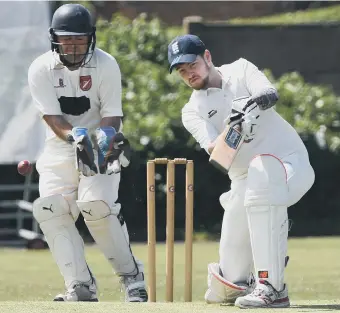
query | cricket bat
[227, 145]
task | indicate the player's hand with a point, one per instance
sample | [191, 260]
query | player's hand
[251, 118]
[84, 152]
[124, 147]
[113, 150]
[245, 114]
[235, 118]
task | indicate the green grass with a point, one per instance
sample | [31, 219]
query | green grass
[322, 15]
[109, 307]
[30, 279]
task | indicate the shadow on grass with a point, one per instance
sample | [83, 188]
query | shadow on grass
[306, 307]
[319, 307]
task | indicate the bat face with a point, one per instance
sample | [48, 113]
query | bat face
[225, 151]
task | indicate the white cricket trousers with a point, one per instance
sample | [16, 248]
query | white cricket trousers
[236, 261]
[58, 175]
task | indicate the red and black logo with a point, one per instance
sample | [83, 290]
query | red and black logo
[85, 82]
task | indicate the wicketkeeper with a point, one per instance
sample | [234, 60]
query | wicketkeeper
[270, 172]
[77, 89]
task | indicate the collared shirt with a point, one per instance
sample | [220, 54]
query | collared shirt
[205, 114]
[83, 96]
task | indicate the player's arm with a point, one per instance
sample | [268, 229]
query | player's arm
[261, 89]
[110, 95]
[118, 151]
[60, 126]
[79, 138]
[203, 132]
[111, 121]
[45, 100]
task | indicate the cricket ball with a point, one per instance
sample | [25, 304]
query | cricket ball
[25, 167]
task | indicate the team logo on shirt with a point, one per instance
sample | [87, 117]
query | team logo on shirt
[212, 113]
[60, 83]
[85, 82]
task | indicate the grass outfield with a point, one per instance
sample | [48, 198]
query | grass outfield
[30, 279]
[178, 307]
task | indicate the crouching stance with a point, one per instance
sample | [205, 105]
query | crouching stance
[77, 89]
[56, 217]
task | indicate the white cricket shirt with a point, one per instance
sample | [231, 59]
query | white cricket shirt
[83, 96]
[204, 115]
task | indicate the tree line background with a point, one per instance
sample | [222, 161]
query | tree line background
[152, 102]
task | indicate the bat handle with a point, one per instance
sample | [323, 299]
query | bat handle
[115, 166]
[238, 128]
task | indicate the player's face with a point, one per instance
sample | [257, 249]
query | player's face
[195, 74]
[73, 48]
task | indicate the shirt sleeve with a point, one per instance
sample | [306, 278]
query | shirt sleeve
[42, 90]
[255, 80]
[203, 132]
[110, 89]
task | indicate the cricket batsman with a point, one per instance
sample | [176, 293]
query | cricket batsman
[270, 172]
[77, 90]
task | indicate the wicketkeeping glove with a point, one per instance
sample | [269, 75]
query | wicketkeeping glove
[84, 152]
[113, 150]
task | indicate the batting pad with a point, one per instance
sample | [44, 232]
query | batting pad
[266, 205]
[221, 290]
[110, 235]
[66, 245]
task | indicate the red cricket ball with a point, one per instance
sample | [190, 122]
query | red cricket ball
[25, 167]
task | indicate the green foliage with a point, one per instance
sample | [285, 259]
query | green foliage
[322, 15]
[310, 109]
[152, 98]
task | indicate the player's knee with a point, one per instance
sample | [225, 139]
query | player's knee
[309, 177]
[50, 207]
[225, 199]
[94, 210]
[266, 182]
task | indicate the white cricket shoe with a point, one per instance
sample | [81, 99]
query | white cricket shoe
[135, 289]
[264, 296]
[134, 285]
[80, 292]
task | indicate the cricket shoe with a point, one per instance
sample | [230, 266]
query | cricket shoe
[264, 296]
[135, 289]
[80, 292]
[134, 285]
